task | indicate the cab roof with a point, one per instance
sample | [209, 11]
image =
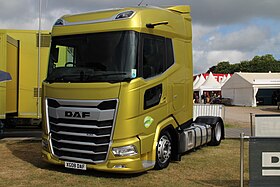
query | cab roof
[166, 19]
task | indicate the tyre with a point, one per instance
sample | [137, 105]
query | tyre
[216, 134]
[164, 150]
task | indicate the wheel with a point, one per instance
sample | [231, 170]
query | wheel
[216, 135]
[164, 149]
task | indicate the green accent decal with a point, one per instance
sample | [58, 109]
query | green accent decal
[148, 121]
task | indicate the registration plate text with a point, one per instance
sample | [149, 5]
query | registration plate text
[74, 165]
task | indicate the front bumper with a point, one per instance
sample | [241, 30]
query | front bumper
[127, 164]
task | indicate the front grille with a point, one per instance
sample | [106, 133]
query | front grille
[81, 130]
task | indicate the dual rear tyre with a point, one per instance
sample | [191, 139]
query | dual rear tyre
[216, 134]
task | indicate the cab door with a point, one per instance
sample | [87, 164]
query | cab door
[153, 64]
[12, 68]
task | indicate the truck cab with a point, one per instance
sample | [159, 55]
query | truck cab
[118, 92]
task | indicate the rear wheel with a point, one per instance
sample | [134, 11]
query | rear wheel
[164, 150]
[216, 135]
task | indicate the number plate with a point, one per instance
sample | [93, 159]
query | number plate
[74, 165]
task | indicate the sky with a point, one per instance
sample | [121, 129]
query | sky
[223, 30]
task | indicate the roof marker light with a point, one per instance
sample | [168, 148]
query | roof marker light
[124, 15]
[59, 22]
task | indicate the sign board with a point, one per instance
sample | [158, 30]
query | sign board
[267, 125]
[264, 161]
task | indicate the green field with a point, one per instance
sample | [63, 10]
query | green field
[21, 165]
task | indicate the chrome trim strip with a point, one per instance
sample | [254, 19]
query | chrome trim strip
[79, 159]
[50, 140]
[80, 126]
[80, 151]
[80, 143]
[94, 113]
[47, 116]
[80, 134]
[93, 103]
[113, 130]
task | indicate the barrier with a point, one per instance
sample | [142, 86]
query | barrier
[208, 110]
[267, 125]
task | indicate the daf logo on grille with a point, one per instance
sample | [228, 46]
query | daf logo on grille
[77, 114]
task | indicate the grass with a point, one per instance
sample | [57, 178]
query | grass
[236, 125]
[21, 165]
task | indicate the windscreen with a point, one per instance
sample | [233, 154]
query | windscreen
[98, 57]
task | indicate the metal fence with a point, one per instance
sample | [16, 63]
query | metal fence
[208, 110]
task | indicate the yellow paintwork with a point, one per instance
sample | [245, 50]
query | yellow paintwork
[177, 83]
[26, 106]
[12, 68]
[3, 67]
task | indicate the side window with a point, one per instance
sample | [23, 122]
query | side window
[153, 56]
[157, 56]
[152, 96]
[169, 53]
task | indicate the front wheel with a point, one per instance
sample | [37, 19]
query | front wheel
[164, 149]
[216, 135]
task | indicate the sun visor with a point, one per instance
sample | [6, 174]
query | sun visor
[183, 9]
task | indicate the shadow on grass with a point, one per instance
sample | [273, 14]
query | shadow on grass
[30, 152]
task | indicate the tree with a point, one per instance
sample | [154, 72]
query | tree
[263, 63]
[222, 67]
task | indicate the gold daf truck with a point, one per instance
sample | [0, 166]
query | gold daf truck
[118, 92]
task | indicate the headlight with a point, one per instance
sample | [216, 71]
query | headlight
[128, 150]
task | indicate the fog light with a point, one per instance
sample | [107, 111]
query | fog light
[119, 166]
[128, 150]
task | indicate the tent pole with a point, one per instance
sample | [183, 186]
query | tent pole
[39, 60]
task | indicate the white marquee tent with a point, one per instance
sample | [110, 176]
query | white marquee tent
[211, 84]
[198, 83]
[242, 88]
[196, 80]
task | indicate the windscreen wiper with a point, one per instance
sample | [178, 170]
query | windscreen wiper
[64, 78]
[107, 74]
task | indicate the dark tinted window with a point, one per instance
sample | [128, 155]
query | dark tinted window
[157, 55]
[153, 57]
[95, 57]
[169, 53]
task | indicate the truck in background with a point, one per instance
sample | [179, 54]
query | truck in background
[19, 102]
[119, 88]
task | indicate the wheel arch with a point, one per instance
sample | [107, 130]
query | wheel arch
[169, 125]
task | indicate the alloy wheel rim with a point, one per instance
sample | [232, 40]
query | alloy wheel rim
[164, 149]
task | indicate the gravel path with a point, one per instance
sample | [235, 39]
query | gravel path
[240, 116]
